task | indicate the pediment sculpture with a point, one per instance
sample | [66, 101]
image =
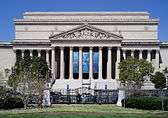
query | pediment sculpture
[85, 34]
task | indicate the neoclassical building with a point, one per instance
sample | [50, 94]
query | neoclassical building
[85, 48]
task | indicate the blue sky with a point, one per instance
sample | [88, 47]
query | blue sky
[10, 9]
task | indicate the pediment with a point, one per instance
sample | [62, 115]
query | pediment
[86, 32]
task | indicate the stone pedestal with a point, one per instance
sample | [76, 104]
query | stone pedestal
[121, 96]
[148, 85]
[46, 98]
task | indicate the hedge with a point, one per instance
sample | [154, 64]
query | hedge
[147, 103]
[11, 103]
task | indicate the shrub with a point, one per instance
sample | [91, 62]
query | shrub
[13, 102]
[147, 103]
[1, 103]
[166, 104]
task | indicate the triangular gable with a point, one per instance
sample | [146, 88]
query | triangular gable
[86, 32]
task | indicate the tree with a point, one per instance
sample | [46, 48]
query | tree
[159, 80]
[1, 77]
[132, 72]
[29, 77]
[40, 75]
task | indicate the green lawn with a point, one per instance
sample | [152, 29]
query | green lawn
[82, 111]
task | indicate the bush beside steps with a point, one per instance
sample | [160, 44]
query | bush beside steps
[146, 103]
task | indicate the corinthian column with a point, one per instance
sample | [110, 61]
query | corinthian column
[149, 55]
[124, 54]
[71, 63]
[140, 54]
[22, 51]
[132, 53]
[62, 63]
[80, 62]
[39, 53]
[53, 62]
[157, 61]
[31, 53]
[91, 63]
[109, 64]
[100, 62]
[117, 63]
[47, 58]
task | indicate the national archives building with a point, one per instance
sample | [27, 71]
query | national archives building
[85, 48]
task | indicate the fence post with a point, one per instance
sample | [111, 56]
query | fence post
[162, 100]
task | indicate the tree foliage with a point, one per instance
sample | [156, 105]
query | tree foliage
[132, 71]
[29, 77]
[159, 80]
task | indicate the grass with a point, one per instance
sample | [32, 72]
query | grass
[82, 111]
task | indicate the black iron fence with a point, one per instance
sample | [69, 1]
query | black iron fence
[85, 96]
[97, 96]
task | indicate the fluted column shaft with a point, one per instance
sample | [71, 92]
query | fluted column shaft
[62, 63]
[39, 53]
[109, 65]
[124, 54]
[140, 54]
[117, 63]
[91, 63]
[47, 58]
[132, 53]
[80, 62]
[100, 62]
[31, 53]
[53, 62]
[15, 56]
[71, 63]
[22, 51]
[149, 55]
[157, 61]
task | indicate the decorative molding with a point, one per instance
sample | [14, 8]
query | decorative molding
[86, 32]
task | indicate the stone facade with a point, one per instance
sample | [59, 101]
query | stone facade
[114, 35]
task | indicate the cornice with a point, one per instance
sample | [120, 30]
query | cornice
[140, 43]
[90, 21]
[84, 13]
[163, 44]
[6, 44]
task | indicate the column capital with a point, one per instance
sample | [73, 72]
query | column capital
[31, 50]
[124, 50]
[109, 48]
[91, 48]
[149, 50]
[141, 50]
[22, 50]
[61, 47]
[80, 48]
[100, 47]
[118, 48]
[52, 48]
[71, 47]
[47, 50]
